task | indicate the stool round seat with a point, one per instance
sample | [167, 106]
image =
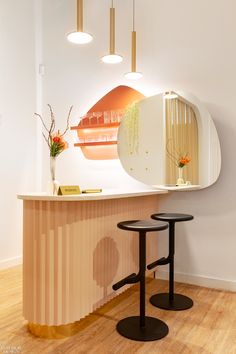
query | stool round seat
[170, 300]
[142, 225]
[175, 217]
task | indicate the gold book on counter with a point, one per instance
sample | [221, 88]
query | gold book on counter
[97, 190]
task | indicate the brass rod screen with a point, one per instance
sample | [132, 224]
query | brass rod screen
[181, 139]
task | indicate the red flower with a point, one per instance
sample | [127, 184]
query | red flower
[56, 139]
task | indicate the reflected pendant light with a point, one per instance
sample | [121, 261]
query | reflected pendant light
[170, 95]
[112, 57]
[79, 37]
[133, 74]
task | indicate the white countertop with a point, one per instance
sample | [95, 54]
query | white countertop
[105, 194]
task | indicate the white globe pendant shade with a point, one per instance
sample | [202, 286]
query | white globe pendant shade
[79, 37]
[133, 75]
[112, 59]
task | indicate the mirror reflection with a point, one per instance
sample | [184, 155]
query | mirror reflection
[169, 141]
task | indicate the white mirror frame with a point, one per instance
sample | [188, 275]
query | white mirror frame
[148, 164]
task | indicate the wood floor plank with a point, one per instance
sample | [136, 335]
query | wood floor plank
[207, 328]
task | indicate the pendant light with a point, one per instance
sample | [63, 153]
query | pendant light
[133, 74]
[79, 37]
[112, 57]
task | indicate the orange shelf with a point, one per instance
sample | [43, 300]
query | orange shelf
[96, 143]
[95, 129]
[90, 126]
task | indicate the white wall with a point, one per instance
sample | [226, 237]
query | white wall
[187, 45]
[17, 125]
[183, 44]
[193, 50]
[76, 76]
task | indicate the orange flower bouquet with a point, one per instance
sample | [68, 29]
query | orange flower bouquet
[56, 144]
[183, 161]
[179, 159]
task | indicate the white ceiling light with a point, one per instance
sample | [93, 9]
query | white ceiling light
[133, 74]
[79, 37]
[112, 57]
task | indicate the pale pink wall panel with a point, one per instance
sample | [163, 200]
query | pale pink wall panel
[74, 252]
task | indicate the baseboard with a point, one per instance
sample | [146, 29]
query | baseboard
[200, 280]
[10, 262]
[215, 283]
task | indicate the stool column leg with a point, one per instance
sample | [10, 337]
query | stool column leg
[142, 265]
[171, 265]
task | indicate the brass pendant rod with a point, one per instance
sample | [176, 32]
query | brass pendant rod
[133, 15]
[133, 53]
[80, 15]
[112, 30]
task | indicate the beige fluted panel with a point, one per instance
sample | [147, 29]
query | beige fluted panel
[73, 253]
[181, 138]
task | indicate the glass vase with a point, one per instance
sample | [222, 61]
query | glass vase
[180, 180]
[53, 187]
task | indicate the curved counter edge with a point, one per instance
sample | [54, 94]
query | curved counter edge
[106, 194]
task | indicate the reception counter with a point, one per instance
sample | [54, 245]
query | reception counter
[73, 253]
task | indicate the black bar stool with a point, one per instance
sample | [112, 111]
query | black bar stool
[170, 301]
[141, 328]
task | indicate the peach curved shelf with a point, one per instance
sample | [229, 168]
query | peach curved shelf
[95, 126]
[97, 130]
[96, 143]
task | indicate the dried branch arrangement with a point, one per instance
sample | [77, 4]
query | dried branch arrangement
[54, 139]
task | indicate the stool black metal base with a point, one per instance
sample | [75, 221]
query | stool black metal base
[154, 329]
[170, 301]
[142, 327]
[179, 302]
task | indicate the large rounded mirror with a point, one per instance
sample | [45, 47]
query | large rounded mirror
[170, 141]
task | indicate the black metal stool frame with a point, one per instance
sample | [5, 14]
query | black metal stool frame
[140, 328]
[171, 300]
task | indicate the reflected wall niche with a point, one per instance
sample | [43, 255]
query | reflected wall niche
[181, 131]
[173, 135]
[97, 130]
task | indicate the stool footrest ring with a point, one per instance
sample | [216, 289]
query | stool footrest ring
[161, 261]
[130, 279]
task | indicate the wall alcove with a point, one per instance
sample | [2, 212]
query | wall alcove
[97, 130]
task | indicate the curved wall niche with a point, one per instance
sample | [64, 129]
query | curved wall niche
[166, 130]
[97, 130]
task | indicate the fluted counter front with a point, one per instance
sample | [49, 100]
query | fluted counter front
[73, 253]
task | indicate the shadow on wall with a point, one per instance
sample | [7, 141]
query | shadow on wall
[105, 265]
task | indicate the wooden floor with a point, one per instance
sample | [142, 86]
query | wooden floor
[209, 327]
